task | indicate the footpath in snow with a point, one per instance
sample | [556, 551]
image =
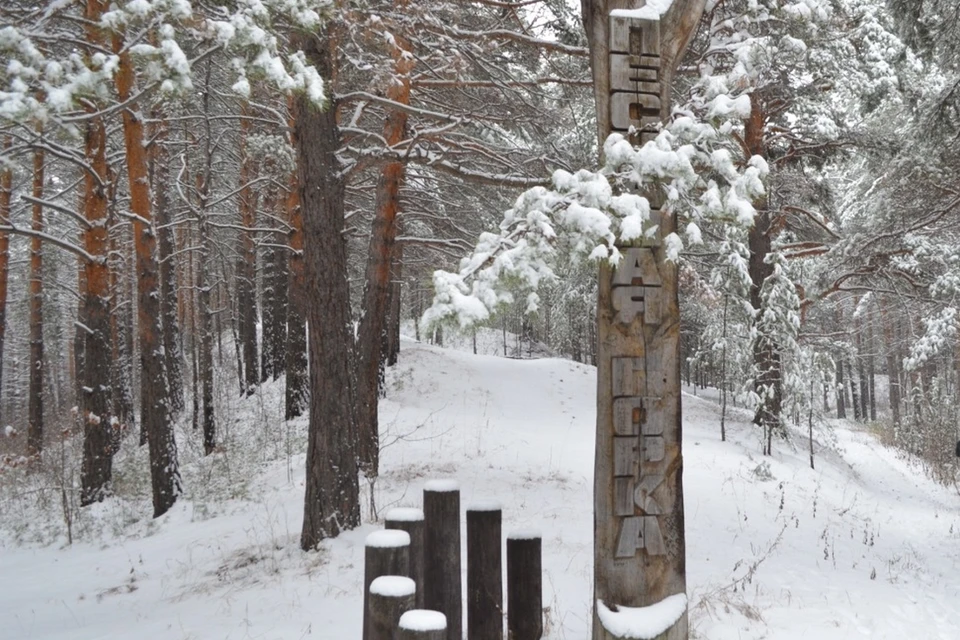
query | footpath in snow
[862, 547]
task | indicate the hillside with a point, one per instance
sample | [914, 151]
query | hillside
[862, 546]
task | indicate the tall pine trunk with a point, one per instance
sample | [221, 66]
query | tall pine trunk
[95, 397]
[6, 191]
[160, 173]
[274, 342]
[893, 366]
[296, 347]
[332, 497]
[154, 391]
[35, 392]
[247, 265]
[372, 330]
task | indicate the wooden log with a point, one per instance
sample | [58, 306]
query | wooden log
[441, 566]
[524, 586]
[390, 598]
[422, 624]
[484, 572]
[411, 521]
[386, 553]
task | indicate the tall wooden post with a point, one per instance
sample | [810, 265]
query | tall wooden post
[639, 547]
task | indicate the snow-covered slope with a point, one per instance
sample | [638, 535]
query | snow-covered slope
[863, 546]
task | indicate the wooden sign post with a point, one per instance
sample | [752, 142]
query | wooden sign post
[639, 548]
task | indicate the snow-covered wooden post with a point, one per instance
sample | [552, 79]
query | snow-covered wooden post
[639, 547]
[386, 553]
[422, 624]
[442, 582]
[390, 598]
[524, 586]
[484, 571]
[411, 521]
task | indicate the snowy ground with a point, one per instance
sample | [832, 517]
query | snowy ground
[861, 547]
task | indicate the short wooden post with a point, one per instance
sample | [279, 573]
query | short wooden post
[524, 586]
[421, 624]
[390, 598]
[411, 521]
[484, 572]
[387, 553]
[441, 566]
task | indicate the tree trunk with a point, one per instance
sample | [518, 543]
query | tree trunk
[332, 500]
[396, 292]
[204, 280]
[854, 391]
[893, 367]
[841, 392]
[380, 253]
[766, 360]
[35, 363]
[296, 347]
[120, 337]
[160, 178]
[275, 279]
[6, 191]
[95, 413]
[247, 265]
[154, 392]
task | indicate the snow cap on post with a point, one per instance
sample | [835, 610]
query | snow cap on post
[423, 620]
[388, 538]
[393, 586]
[404, 514]
[442, 485]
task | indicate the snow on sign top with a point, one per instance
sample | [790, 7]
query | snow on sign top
[423, 620]
[651, 11]
[642, 623]
[393, 586]
[388, 538]
[404, 514]
[441, 486]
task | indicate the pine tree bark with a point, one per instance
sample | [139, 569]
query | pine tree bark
[296, 347]
[893, 368]
[6, 191]
[768, 384]
[160, 178]
[371, 334]
[332, 500]
[95, 398]
[154, 392]
[247, 265]
[395, 303]
[275, 277]
[204, 279]
[35, 364]
[841, 391]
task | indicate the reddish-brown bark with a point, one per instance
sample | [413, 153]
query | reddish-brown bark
[164, 469]
[371, 334]
[6, 188]
[332, 496]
